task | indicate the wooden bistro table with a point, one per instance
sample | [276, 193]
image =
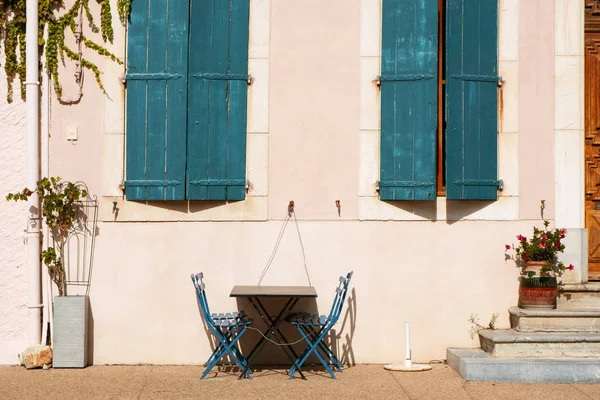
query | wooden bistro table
[255, 293]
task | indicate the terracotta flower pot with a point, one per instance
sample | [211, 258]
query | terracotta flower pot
[534, 266]
[537, 292]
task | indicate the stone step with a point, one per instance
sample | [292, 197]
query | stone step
[579, 296]
[560, 320]
[510, 343]
[477, 365]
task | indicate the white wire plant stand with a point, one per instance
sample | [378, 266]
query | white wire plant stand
[80, 243]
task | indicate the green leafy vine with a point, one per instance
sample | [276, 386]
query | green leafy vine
[52, 15]
[60, 202]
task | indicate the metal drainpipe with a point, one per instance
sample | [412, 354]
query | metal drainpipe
[45, 151]
[33, 171]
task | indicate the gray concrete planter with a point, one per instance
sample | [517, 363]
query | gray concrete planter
[70, 336]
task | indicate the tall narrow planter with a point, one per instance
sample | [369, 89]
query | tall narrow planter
[70, 336]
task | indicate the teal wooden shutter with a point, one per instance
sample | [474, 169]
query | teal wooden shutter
[218, 80]
[408, 100]
[156, 100]
[472, 100]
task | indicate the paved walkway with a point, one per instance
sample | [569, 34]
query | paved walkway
[182, 382]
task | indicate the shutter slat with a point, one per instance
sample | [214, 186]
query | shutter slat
[157, 82]
[157, 99]
[236, 146]
[404, 98]
[136, 109]
[177, 60]
[198, 95]
[408, 100]
[471, 99]
[217, 138]
[388, 68]
[425, 119]
[219, 98]
[488, 34]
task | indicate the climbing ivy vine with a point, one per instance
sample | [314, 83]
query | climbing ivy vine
[57, 19]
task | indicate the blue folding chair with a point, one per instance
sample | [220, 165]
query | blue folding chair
[227, 328]
[314, 328]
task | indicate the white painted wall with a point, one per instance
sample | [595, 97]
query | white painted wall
[13, 222]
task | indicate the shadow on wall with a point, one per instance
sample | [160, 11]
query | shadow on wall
[183, 206]
[458, 209]
[455, 209]
[347, 355]
[90, 333]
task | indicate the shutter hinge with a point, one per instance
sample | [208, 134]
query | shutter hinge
[404, 184]
[223, 77]
[476, 78]
[151, 183]
[404, 77]
[219, 182]
[480, 182]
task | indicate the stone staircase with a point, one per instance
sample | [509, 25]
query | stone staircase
[560, 345]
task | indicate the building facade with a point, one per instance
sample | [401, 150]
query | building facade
[412, 158]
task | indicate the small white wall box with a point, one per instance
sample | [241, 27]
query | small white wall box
[70, 336]
[72, 133]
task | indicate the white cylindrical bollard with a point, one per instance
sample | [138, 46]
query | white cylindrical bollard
[407, 358]
[408, 365]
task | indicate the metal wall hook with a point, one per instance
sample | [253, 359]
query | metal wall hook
[542, 207]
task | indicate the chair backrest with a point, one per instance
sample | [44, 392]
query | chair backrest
[197, 280]
[340, 296]
[345, 285]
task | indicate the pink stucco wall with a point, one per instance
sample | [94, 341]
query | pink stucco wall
[304, 135]
[536, 120]
[314, 107]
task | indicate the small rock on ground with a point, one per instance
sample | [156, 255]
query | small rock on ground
[37, 356]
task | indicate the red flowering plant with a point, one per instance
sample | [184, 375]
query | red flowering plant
[544, 245]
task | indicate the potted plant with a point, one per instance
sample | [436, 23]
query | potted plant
[540, 267]
[61, 209]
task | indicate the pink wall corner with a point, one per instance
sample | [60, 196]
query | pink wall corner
[536, 116]
[314, 108]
